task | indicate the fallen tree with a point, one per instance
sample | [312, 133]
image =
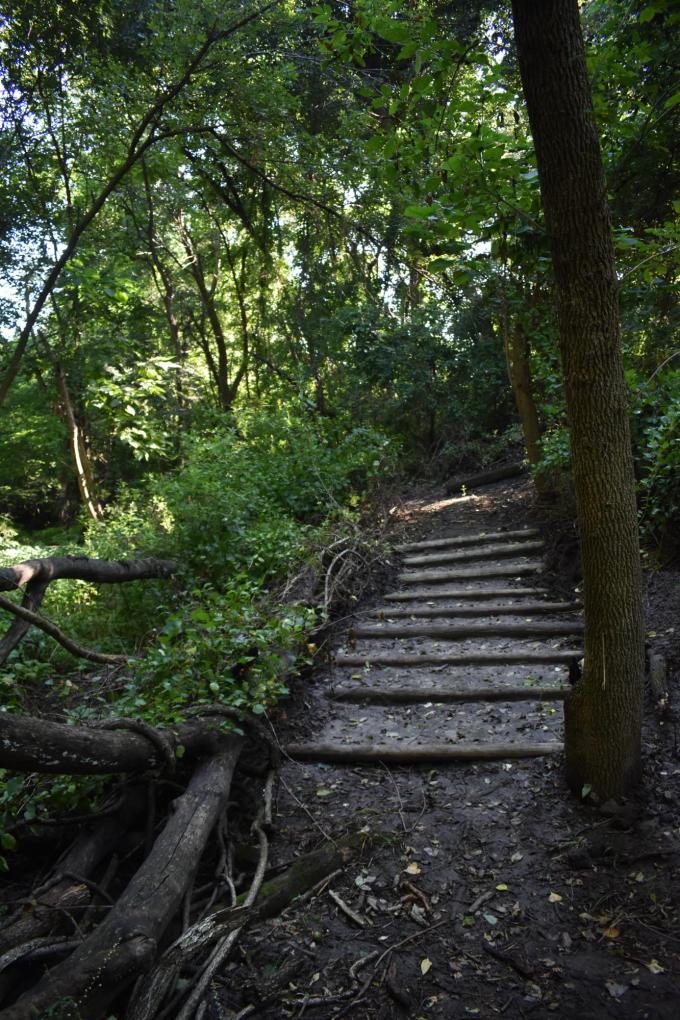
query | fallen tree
[126, 942]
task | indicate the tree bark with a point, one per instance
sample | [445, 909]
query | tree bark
[604, 714]
[29, 744]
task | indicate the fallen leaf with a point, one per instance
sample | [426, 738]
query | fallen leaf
[615, 989]
[655, 967]
[611, 933]
[502, 887]
[413, 868]
[555, 897]
[323, 792]
[490, 918]
[425, 965]
[517, 856]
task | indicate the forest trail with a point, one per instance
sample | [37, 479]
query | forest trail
[484, 889]
[468, 660]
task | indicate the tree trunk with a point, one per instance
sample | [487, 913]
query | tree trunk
[604, 714]
[517, 350]
[80, 455]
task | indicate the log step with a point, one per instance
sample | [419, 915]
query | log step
[464, 593]
[509, 550]
[518, 609]
[468, 539]
[439, 695]
[556, 656]
[443, 576]
[418, 755]
[446, 632]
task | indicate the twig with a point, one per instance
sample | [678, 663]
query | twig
[346, 909]
[306, 810]
[396, 790]
[316, 890]
[484, 898]
[508, 960]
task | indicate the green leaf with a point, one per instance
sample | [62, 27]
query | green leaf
[7, 841]
[393, 31]
[419, 212]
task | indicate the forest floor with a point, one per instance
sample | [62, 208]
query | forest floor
[485, 888]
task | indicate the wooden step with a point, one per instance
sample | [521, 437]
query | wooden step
[511, 550]
[518, 609]
[444, 576]
[468, 539]
[556, 656]
[418, 755]
[446, 695]
[446, 632]
[477, 594]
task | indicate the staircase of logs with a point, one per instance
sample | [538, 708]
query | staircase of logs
[468, 660]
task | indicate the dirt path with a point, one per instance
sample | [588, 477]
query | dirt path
[489, 890]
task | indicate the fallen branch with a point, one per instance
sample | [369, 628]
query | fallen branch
[36, 575]
[125, 943]
[80, 652]
[82, 568]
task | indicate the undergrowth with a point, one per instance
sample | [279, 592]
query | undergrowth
[251, 506]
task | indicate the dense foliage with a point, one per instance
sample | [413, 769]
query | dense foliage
[267, 250]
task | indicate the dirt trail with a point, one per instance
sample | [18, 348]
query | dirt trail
[490, 890]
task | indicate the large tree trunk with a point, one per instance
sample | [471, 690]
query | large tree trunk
[604, 713]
